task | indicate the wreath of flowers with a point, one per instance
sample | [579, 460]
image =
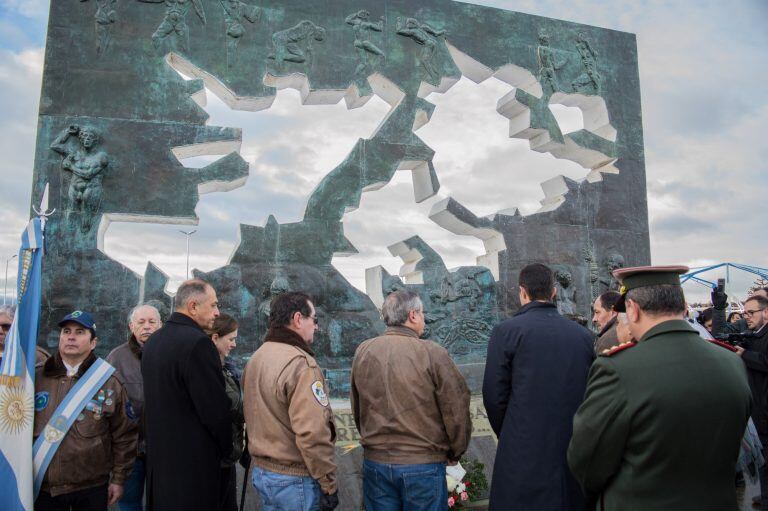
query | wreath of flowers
[470, 487]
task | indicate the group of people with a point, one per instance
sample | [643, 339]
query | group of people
[648, 416]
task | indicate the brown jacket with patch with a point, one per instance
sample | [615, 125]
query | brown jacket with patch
[100, 446]
[409, 400]
[287, 413]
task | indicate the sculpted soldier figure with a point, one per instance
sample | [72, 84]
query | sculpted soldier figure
[566, 293]
[87, 165]
[612, 263]
[234, 12]
[362, 26]
[175, 20]
[548, 65]
[295, 44]
[424, 35]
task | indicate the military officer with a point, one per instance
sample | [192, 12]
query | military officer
[663, 417]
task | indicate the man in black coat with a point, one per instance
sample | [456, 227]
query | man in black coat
[535, 377]
[186, 409]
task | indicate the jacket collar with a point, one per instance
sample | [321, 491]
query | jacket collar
[401, 330]
[182, 319]
[608, 326]
[134, 346]
[287, 336]
[54, 367]
[673, 325]
[534, 305]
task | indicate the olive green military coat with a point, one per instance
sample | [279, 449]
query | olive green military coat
[661, 424]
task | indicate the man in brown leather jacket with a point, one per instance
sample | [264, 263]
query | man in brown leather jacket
[90, 467]
[143, 321]
[291, 433]
[411, 407]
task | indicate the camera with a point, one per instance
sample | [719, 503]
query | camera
[737, 339]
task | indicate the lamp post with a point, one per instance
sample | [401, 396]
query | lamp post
[188, 234]
[5, 289]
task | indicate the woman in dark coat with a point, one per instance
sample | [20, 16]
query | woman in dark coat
[224, 337]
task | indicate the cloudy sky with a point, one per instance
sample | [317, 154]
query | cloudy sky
[703, 70]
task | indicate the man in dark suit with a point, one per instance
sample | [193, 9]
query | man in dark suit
[663, 418]
[186, 409]
[535, 376]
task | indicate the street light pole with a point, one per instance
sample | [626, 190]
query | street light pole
[5, 289]
[188, 234]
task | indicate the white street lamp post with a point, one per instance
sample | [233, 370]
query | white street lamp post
[5, 289]
[188, 234]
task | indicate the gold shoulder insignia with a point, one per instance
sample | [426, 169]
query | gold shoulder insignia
[608, 352]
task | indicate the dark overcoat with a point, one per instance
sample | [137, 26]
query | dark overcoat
[186, 413]
[535, 377]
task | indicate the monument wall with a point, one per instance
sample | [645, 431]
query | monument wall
[117, 116]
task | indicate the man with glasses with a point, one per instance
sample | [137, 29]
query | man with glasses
[291, 433]
[411, 406]
[6, 321]
[720, 326]
[754, 353]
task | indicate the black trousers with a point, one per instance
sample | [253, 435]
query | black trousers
[90, 499]
[228, 489]
[763, 473]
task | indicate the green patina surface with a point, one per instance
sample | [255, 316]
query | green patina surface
[113, 111]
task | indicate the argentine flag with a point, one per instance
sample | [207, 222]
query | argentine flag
[17, 378]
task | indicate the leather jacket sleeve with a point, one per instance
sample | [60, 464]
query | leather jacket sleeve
[124, 435]
[453, 399]
[311, 419]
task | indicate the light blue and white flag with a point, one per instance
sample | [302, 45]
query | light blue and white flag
[17, 375]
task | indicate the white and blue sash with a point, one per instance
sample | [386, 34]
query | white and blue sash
[65, 415]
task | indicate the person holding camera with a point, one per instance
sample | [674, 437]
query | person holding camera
[720, 327]
[754, 353]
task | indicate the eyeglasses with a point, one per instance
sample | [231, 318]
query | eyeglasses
[313, 318]
[749, 314]
[5, 326]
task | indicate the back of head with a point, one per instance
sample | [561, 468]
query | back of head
[659, 300]
[397, 305]
[538, 281]
[189, 290]
[284, 306]
[609, 299]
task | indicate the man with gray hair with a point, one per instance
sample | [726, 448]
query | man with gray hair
[411, 407]
[143, 321]
[186, 408]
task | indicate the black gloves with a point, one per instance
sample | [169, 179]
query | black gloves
[719, 300]
[329, 502]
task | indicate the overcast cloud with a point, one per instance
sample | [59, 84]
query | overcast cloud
[702, 66]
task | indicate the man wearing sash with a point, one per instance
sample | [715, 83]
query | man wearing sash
[85, 443]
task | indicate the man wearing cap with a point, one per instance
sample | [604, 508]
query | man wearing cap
[88, 443]
[662, 421]
[143, 321]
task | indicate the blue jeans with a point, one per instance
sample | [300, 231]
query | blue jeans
[133, 491]
[280, 492]
[404, 487]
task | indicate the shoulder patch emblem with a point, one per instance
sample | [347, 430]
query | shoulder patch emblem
[41, 401]
[319, 393]
[621, 347]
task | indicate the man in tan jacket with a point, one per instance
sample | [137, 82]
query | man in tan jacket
[291, 433]
[411, 407]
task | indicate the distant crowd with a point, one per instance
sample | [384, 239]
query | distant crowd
[658, 411]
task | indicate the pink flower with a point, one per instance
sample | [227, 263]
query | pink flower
[464, 496]
[451, 501]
